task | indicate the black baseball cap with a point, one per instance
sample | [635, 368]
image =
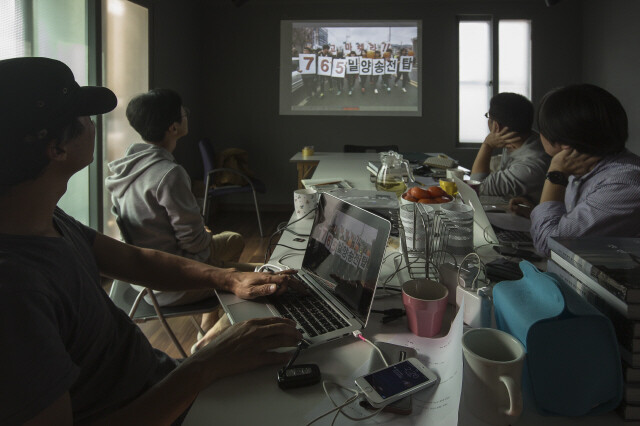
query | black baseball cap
[40, 94]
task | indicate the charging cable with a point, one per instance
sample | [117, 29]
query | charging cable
[356, 394]
[481, 266]
[358, 335]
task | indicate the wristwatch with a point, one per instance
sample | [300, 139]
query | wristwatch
[557, 178]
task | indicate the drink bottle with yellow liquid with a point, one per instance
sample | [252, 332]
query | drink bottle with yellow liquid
[390, 177]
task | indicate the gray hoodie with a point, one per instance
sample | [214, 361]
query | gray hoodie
[153, 195]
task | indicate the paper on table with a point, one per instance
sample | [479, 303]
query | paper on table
[509, 221]
[435, 406]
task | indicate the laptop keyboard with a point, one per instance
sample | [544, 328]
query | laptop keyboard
[513, 236]
[310, 311]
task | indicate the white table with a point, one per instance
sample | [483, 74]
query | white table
[254, 398]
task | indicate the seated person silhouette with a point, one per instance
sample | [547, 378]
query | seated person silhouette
[71, 356]
[152, 195]
[592, 186]
[523, 163]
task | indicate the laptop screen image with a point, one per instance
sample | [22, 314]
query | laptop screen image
[345, 251]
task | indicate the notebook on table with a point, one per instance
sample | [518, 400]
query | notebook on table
[341, 265]
[493, 234]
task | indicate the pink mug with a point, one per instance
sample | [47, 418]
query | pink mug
[425, 302]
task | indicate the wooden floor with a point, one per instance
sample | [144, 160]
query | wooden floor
[246, 224]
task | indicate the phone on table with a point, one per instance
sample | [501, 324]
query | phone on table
[395, 382]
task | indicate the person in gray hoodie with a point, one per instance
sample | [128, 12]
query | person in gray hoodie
[151, 194]
[523, 165]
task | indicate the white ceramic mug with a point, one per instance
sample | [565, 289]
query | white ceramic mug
[492, 380]
[305, 200]
[455, 172]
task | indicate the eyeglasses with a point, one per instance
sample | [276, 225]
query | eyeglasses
[486, 114]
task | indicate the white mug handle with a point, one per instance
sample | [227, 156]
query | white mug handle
[515, 397]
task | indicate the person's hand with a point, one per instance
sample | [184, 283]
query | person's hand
[571, 162]
[521, 206]
[500, 138]
[246, 346]
[249, 285]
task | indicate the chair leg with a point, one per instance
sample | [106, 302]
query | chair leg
[134, 307]
[196, 325]
[255, 201]
[165, 325]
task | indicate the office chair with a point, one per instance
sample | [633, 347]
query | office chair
[207, 152]
[370, 148]
[128, 299]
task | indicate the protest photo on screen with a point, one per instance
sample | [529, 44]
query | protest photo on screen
[350, 68]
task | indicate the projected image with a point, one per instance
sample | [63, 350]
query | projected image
[368, 67]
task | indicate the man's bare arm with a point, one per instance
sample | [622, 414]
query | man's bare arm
[167, 272]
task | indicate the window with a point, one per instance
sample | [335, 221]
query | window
[126, 71]
[66, 30]
[482, 45]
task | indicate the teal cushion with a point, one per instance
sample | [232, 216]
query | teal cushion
[573, 364]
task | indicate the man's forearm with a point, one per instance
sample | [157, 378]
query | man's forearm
[552, 192]
[156, 269]
[483, 160]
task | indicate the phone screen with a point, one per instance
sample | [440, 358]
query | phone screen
[395, 379]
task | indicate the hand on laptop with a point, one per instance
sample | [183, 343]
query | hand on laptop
[249, 285]
[521, 206]
[246, 346]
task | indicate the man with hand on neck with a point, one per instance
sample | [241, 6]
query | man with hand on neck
[524, 163]
[592, 186]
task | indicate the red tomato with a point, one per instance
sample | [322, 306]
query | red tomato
[417, 192]
[409, 198]
[427, 201]
[435, 191]
[440, 200]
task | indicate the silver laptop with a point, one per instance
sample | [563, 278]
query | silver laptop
[341, 266]
[492, 233]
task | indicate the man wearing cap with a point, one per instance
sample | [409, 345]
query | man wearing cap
[69, 354]
[524, 163]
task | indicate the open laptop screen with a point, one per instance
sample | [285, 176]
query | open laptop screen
[345, 251]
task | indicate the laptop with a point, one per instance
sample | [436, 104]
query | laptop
[492, 233]
[341, 265]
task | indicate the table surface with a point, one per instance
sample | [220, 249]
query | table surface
[254, 397]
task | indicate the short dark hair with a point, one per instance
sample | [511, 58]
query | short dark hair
[512, 110]
[153, 112]
[585, 117]
[325, 46]
[25, 157]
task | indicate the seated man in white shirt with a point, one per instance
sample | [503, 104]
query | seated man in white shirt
[524, 163]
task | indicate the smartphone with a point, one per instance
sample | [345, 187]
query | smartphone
[396, 381]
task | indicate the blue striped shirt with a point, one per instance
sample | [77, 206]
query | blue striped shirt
[605, 201]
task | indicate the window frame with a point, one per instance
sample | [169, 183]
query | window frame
[494, 26]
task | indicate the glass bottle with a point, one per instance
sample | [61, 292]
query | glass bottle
[391, 174]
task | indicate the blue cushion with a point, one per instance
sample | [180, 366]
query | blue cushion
[573, 364]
